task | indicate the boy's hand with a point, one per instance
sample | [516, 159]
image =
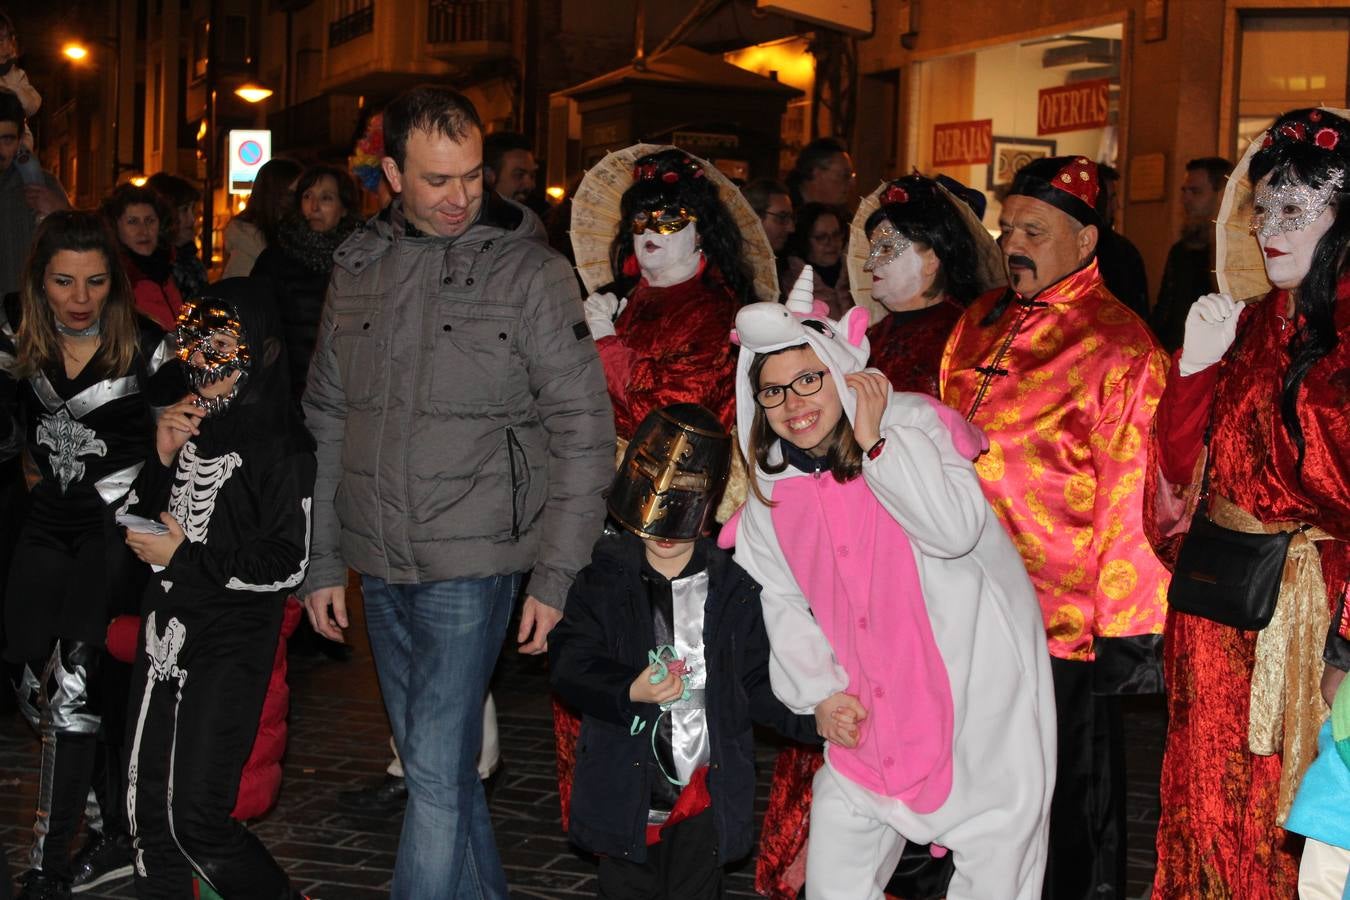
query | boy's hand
[838, 717]
[157, 549]
[176, 424]
[643, 691]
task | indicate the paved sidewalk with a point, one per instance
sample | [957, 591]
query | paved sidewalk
[339, 741]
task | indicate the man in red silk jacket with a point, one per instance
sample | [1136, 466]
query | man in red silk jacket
[1064, 379]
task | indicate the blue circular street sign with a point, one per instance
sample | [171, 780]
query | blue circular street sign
[250, 153]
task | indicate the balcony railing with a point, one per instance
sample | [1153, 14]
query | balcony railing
[455, 21]
[352, 26]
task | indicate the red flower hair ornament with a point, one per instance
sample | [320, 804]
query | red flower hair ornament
[895, 194]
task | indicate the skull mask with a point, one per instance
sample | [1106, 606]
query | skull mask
[213, 346]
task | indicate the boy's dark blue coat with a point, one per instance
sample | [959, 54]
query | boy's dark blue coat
[601, 646]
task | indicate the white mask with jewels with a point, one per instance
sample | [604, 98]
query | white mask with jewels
[1292, 206]
[1288, 222]
[887, 244]
[900, 284]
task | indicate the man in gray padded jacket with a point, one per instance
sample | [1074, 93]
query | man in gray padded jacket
[464, 438]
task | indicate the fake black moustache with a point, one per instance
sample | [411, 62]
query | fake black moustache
[1024, 262]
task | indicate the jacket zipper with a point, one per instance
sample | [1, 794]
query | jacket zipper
[512, 449]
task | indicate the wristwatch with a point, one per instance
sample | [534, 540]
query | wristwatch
[876, 449]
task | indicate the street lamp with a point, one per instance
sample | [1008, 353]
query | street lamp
[77, 52]
[253, 92]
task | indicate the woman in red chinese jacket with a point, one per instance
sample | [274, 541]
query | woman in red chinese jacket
[1274, 376]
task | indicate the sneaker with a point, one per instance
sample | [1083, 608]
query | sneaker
[388, 796]
[103, 859]
[38, 885]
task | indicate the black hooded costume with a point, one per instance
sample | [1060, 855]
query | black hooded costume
[87, 438]
[241, 489]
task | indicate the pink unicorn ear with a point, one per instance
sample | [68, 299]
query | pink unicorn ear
[735, 337]
[855, 323]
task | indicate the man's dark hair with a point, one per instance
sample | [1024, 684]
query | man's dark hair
[11, 110]
[500, 143]
[432, 109]
[758, 192]
[1216, 167]
[816, 155]
[178, 191]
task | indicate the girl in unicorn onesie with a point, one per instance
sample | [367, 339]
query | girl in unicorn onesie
[898, 612]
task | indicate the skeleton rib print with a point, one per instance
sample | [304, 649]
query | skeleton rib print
[196, 483]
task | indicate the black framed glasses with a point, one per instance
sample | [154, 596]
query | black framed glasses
[804, 385]
[782, 218]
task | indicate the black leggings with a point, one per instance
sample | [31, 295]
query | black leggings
[70, 574]
[197, 692]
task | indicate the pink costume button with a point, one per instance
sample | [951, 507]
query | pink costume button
[862, 623]
[843, 550]
[888, 762]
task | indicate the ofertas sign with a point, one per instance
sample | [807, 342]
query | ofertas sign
[248, 151]
[963, 143]
[1074, 107]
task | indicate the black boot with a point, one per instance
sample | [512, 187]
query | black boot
[38, 885]
[104, 858]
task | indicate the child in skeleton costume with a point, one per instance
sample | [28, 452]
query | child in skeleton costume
[81, 373]
[898, 611]
[234, 468]
[663, 650]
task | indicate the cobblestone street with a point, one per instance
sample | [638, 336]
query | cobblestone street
[339, 739]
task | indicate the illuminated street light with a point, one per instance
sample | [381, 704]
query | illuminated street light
[75, 51]
[253, 93]
[139, 180]
[556, 192]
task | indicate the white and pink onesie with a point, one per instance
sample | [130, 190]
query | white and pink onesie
[901, 588]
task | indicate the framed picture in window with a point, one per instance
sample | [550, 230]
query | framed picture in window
[1011, 154]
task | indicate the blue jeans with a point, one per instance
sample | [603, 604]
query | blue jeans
[435, 646]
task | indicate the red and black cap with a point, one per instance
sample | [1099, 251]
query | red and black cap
[1068, 183]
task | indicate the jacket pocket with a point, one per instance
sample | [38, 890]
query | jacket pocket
[354, 346]
[471, 364]
[519, 471]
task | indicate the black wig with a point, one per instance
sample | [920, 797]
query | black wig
[668, 179]
[1311, 146]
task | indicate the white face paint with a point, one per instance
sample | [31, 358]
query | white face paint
[902, 284]
[1288, 254]
[667, 259]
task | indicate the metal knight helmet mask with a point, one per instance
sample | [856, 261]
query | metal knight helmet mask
[672, 474]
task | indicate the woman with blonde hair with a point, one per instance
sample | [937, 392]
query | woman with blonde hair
[87, 372]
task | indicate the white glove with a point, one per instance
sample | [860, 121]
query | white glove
[1210, 328]
[601, 311]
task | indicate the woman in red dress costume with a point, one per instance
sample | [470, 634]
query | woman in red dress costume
[681, 272]
[1245, 707]
[925, 264]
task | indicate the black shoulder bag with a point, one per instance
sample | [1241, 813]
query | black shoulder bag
[1226, 576]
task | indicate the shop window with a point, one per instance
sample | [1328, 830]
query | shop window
[1288, 62]
[980, 116]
